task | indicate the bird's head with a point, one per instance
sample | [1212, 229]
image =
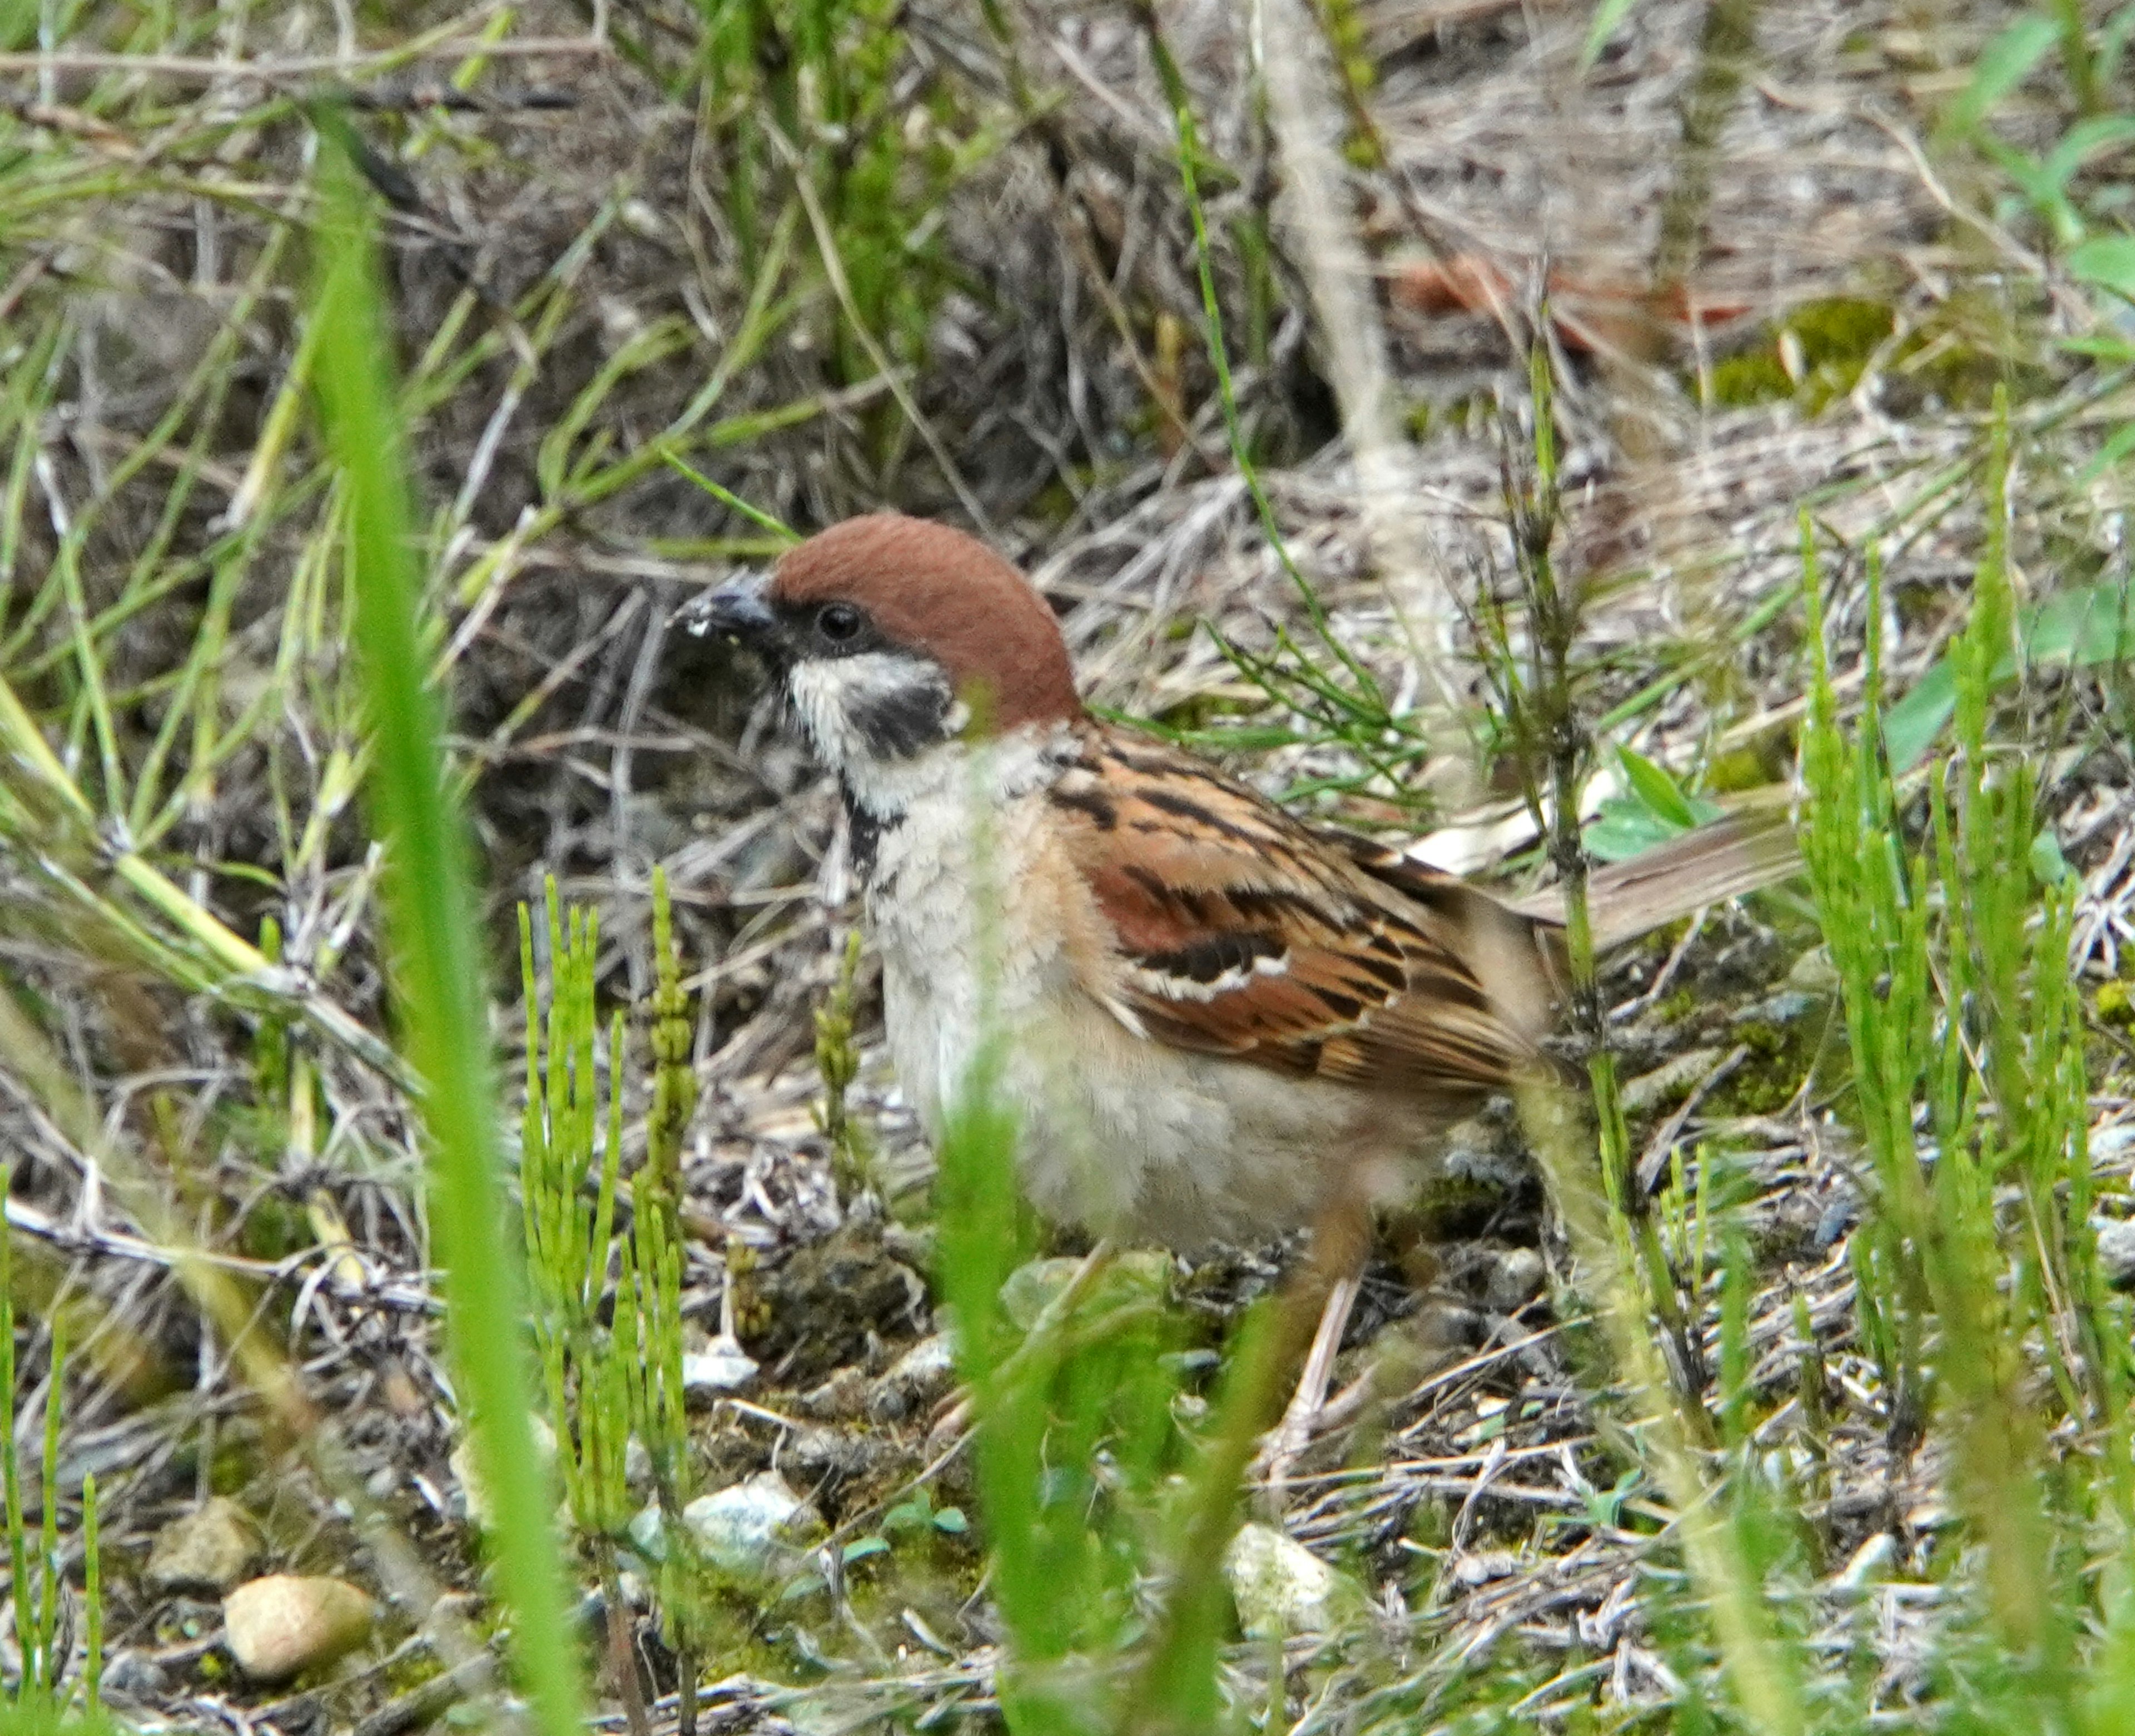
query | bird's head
[893, 636]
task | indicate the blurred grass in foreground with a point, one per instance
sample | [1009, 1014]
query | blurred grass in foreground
[438, 972]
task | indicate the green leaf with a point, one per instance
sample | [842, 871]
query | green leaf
[1659, 792]
[860, 1548]
[432, 933]
[2111, 454]
[805, 1585]
[2092, 625]
[952, 1519]
[2107, 261]
[1911, 726]
[906, 1516]
[1608, 16]
[1654, 809]
[2005, 64]
[2047, 862]
[2084, 140]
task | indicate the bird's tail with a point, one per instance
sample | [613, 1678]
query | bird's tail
[1723, 859]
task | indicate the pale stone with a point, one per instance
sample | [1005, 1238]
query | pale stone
[1515, 1279]
[1281, 1588]
[286, 1623]
[461, 1463]
[1139, 1274]
[209, 1549]
[723, 1366]
[753, 1529]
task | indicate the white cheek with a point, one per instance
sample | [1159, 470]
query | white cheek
[828, 692]
[819, 701]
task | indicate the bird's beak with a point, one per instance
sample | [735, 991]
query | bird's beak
[737, 610]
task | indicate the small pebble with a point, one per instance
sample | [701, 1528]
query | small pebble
[287, 1623]
[723, 1366]
[1281, 1588]
[209, 1549]
[471, 1492]
[839, 1399]
[1789, 1006]
[1515, 1280]
[915, 1381]
[2116, 1251]
[132, 1675]
[1482, 1566]
[1813, 974]
[753, 1530]
[1135, 1274]
[742, 1527]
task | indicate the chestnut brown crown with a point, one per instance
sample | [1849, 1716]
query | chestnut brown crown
[932, 589]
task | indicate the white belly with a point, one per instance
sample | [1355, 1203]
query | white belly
[1119, 1134]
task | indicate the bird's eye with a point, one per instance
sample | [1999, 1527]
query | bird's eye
[839, 622]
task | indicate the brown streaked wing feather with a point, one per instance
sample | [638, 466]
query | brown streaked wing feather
[1241, 932]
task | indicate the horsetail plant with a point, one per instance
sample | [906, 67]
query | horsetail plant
[606, 1383]
[44, 1609]
[649, 1343]
[1976, 1264]
[588, 1381]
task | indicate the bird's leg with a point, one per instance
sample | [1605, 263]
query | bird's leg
[1293, 1434]
[1340, 1240]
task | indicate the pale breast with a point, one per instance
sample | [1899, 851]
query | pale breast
[1120, 1134]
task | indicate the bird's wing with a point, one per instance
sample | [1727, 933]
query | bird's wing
[1239, 931]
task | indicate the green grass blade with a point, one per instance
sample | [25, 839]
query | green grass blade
[429, 901]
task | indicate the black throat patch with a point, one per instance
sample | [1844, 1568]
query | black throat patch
[863, 837]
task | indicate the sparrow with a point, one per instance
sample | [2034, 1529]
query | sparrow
[1212, 1018]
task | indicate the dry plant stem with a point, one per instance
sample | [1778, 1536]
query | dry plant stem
[1308, 1408]
[1728, 40]
[1329, 253]
[834, 269]
[1614, 1244]
[194, 70]
[243, 966]
[1553, 728]
[621, 1652]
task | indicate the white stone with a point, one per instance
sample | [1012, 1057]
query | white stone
[723, 1366]
[743, 1528]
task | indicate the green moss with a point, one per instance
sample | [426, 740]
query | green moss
[1770, 759]
[408, 1669]
[276, 1228]
[1452, 1205]
[1675, 1007]
[1831, 342]
[236, 1463]
[1780, 1057]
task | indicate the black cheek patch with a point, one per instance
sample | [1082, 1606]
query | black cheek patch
[897, 724]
